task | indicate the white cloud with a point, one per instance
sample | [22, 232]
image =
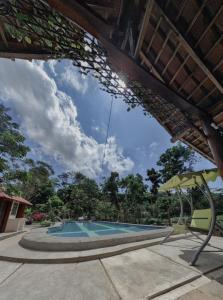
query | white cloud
[153, 145]
[49, 118]
[100, 130]
[52, 65]
[74, 79]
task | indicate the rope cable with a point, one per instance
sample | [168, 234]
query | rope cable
[107, 133]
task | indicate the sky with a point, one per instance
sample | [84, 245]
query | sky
[64, 118]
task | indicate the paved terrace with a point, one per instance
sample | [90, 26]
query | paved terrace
[152, 272]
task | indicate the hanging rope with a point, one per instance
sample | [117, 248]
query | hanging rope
[107, 133]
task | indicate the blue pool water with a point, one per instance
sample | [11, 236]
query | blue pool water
[93, 229]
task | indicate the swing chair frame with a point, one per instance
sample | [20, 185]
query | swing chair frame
[190, 180]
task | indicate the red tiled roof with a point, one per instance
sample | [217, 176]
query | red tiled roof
[5, 197]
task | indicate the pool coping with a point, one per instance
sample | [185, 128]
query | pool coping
[53, 257]
[42, 241]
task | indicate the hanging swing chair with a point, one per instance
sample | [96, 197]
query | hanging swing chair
[202, 220]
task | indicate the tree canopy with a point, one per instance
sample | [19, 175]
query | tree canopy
[12, 147]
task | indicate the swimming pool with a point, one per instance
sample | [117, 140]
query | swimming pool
[81, 236]
[95, 229]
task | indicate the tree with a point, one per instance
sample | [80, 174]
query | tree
[135, 195]
[36, 183]
[80, 195]
[154, 177]
[110, 188]
[12, 146]
[176, 160]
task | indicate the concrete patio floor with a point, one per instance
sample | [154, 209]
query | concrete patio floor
[158, 272]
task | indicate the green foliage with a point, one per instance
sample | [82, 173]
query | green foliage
[154, 177]
[12, 146]
[110, 188]
[175, 160]
[80, 195]
[55, 201]
[135, 196]
[45, 223]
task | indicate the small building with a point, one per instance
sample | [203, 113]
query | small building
[12, 209]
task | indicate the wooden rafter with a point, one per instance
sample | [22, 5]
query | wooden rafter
[171, 58]
[195, 17]
[181, 10]
[146, 60]
[191, 51]
[197, 88]
[209, 26]
[218, 41]
[99, 3]
[143, 28]
[154, 34]
[197, 149]
[179, 44]
[179, 69]
[162, 47]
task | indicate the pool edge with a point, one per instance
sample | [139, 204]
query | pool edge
[41, 241]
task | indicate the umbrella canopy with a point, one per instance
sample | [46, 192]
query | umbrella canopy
[189, 180]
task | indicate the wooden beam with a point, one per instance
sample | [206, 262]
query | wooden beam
[179, 69]
[195, 17]
[215, 142]
[181, 10]
[191, 51]
[183, 140]
[26, 56]
[209, 26]
[154, 34]
[145, 60]
[171, 58]
[143, 28]
[179, 44]
[20, 51]
[197, 87]
[207, 95]
[118, 59]
[218, 41]
[99, 3]
[180, 134]
[163, 47]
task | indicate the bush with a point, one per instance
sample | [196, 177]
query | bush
[38, 216]
[45, 223]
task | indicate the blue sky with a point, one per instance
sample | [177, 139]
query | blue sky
[64, 117]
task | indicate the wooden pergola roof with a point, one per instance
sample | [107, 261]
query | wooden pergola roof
[173, 47]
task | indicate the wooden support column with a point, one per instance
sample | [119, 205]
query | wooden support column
[6, 216]
[21, 211]
[215, 141]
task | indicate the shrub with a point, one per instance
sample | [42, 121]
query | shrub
[38, 216]
[45, 223]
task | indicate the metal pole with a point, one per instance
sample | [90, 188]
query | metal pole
[179, 219]
[181, 206]
[212, 225]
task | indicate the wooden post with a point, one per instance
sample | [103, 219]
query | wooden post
[215, 141]
[21, 211]
[7, 214]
